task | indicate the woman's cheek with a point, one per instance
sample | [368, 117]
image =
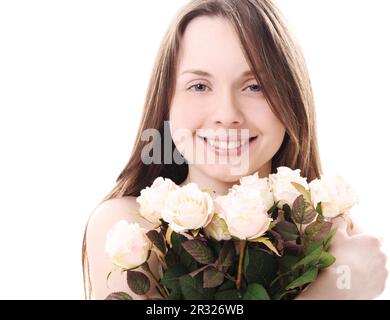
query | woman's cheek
[270, 122]
[187, 113]
[185, 118]
[271, 130]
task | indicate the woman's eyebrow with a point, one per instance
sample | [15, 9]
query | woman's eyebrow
[206, 74]
[198, 73]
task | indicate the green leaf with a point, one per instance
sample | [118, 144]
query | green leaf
[318, 230]
[212, 278]
[319, 208]
[171, 258]
[172, 275]
[201, 269]
[262, 267]
[292, 248]
[302, 190]
[287, 262]
[281, 294]
[157, 239]
[184, 257]
[199, 251]
[308, 277]
[231, 294]
[138, 282]
[265, 241]
[195, 232]
[227, 254]
[175, 295]
[329, 238]
[188, 261]
[301, 211]
[227, 285]
[118, 296]
[287, 212]
[274, 206]
[192, 288]
[287, 230]
[255, 291]
[215, 245]
[326, 260]
[177, 240]
[313, 257]
[311, 246]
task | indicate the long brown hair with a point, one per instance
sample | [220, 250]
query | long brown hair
[268, 46]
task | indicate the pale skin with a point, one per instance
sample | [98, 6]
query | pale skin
[225, 98]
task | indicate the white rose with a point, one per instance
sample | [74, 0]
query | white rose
[188, 208]
[127, 245]
[152, 199]
[281, 186]
[261, 185]
[335, 195]
[245, 213]
[217, 229]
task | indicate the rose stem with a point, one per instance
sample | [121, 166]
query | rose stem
[240, 261]
[162, 290]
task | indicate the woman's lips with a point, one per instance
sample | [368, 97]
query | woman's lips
[233, 148]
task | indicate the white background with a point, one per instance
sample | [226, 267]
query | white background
[73, 77]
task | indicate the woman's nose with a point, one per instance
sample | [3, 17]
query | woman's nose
[226, 111]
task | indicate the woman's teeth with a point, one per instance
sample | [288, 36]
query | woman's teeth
[225, 145]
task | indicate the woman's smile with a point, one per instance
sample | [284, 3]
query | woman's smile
[224, 146]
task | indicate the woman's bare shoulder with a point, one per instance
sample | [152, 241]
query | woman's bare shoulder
[102, 219]
[113, 210]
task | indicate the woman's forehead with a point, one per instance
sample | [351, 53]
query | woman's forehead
[211, 45]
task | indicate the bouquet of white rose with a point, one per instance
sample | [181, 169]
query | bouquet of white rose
[268, 238]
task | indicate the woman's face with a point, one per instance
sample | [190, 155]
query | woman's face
[216, 98]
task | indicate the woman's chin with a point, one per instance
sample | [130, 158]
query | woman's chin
[225, 173]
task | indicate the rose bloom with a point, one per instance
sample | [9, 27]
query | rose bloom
[245, 213]
[282, 188]
[188, 208]
[217, 229]
[261, 185]
[335, 195]
[152, 199]
[127, 245]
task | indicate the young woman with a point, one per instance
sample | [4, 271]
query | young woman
[224, 65]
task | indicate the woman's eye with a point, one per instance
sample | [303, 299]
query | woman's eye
[199, 87]
[255, 88]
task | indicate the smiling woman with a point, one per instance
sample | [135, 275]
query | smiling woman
[229, 99]
[232, 76]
